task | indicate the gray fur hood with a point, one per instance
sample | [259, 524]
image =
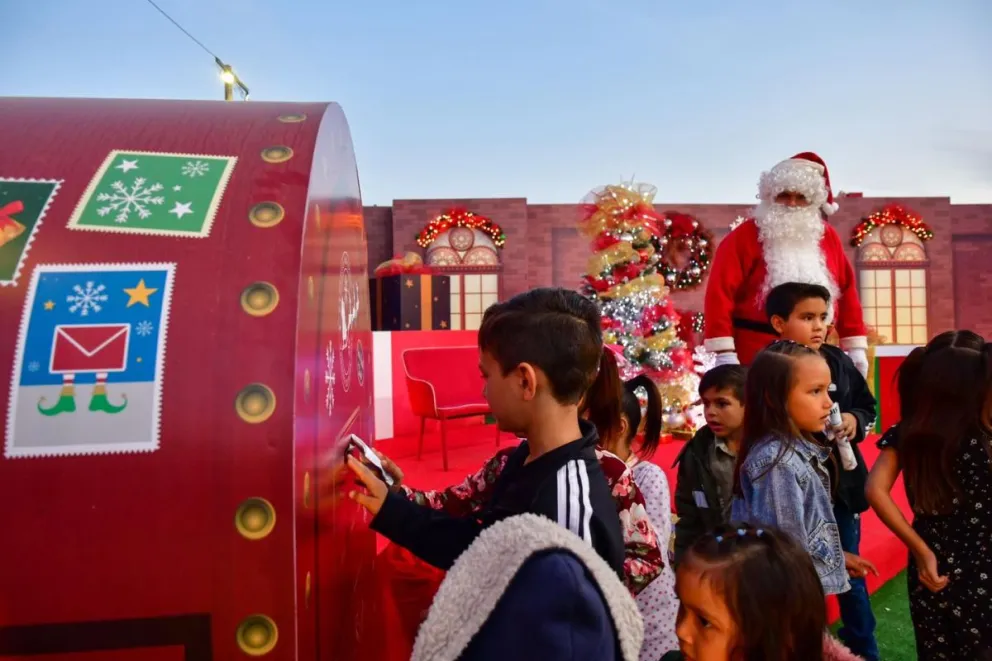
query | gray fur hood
[481, 575]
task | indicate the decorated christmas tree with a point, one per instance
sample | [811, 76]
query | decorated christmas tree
[638, 257]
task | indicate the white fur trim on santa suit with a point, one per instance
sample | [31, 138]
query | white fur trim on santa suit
[856, 342]
[805, 174]
[480, 576]
[719, 344]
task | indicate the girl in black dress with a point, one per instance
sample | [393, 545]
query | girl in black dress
[942, 448]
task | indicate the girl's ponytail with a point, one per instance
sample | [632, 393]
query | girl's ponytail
[602, 403]
[652, 416]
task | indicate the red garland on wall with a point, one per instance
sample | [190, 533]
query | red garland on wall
[892, 214]
[460, 218]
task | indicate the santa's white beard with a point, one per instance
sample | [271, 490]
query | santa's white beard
[790, 243]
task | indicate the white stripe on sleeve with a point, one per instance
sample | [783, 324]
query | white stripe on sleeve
[586, 502]
[574, 499]
[562, 493]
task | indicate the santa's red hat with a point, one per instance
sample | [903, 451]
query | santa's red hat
[809, 158]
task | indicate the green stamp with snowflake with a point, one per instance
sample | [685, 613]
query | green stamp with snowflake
[136, 192]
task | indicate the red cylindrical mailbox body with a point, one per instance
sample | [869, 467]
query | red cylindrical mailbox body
[184, 341]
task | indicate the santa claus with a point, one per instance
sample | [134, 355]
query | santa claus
[786, 240]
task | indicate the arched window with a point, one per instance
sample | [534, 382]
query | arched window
[893, 272]
[471, 259]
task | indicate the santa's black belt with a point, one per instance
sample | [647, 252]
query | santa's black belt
[755, 326]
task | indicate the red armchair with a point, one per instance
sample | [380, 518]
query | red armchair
[444, 383]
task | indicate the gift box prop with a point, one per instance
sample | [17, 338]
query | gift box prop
[406, 295]
[185, 346]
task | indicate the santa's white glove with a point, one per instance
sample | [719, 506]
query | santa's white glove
[860, 359]
[727, 358]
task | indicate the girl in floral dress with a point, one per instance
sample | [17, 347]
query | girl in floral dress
[657, 602]
[942, 448]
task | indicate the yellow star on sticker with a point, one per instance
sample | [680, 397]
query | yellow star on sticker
[409, 283]
[139, 294]
[49, 305]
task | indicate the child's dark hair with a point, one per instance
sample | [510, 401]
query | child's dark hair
[769, 380]
[784, 298]
[725, 377]
[771, 590]
[557, 331]
[652, 416]
[942, 391]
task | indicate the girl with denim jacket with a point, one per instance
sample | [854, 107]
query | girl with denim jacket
[783, 475]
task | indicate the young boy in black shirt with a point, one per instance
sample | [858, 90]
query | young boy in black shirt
[799, 312]
[540, 352]
[706, 464]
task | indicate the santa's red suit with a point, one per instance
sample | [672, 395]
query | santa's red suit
[781, 243]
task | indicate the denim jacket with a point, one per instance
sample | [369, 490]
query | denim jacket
[794, 496]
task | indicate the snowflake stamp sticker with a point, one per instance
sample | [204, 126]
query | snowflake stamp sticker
[23, 204]
[136, 192]
[87, 378]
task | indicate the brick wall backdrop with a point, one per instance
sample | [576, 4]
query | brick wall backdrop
[543, 246]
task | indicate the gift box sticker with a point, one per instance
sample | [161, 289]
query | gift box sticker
[23, 205]
[87, 378]
[136, 192]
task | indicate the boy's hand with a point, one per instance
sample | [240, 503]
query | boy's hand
[848, 426]
[858, 567]
[390, 467]
[376, 489]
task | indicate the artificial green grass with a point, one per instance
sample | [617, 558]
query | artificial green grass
[894, 630]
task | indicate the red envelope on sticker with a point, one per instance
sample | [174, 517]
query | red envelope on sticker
[90, 348]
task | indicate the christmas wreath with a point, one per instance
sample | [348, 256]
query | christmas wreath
[460, 218]
[892, 214]
[685, 240]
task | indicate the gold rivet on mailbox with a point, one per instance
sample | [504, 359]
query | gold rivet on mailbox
[259, 299]
[255, 518]
[306, 489]
[255, 403]
[293, 118]
[279, 154]
[266, 214]
[306, 384]
[257, 635]
[306, 591]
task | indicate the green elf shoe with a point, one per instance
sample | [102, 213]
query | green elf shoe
[66, 403]
[99, 401]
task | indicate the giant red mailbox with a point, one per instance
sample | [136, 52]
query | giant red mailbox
[184, 339]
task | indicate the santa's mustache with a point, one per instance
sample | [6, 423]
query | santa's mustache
[781, 222]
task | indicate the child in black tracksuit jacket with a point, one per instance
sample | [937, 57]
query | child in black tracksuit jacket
[566, 485]
[799, 312]
[541, 352]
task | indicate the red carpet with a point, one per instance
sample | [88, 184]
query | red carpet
[471, 444]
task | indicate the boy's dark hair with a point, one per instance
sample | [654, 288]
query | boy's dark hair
[771, 590]
[725, 377]
[557, 331]
[769, 380]
[783, 299]
[942, 392]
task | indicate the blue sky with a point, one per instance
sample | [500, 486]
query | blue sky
[546, 99]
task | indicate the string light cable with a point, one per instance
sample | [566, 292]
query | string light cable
[227, 72]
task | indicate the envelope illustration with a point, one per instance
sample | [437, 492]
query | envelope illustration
[86, 348]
